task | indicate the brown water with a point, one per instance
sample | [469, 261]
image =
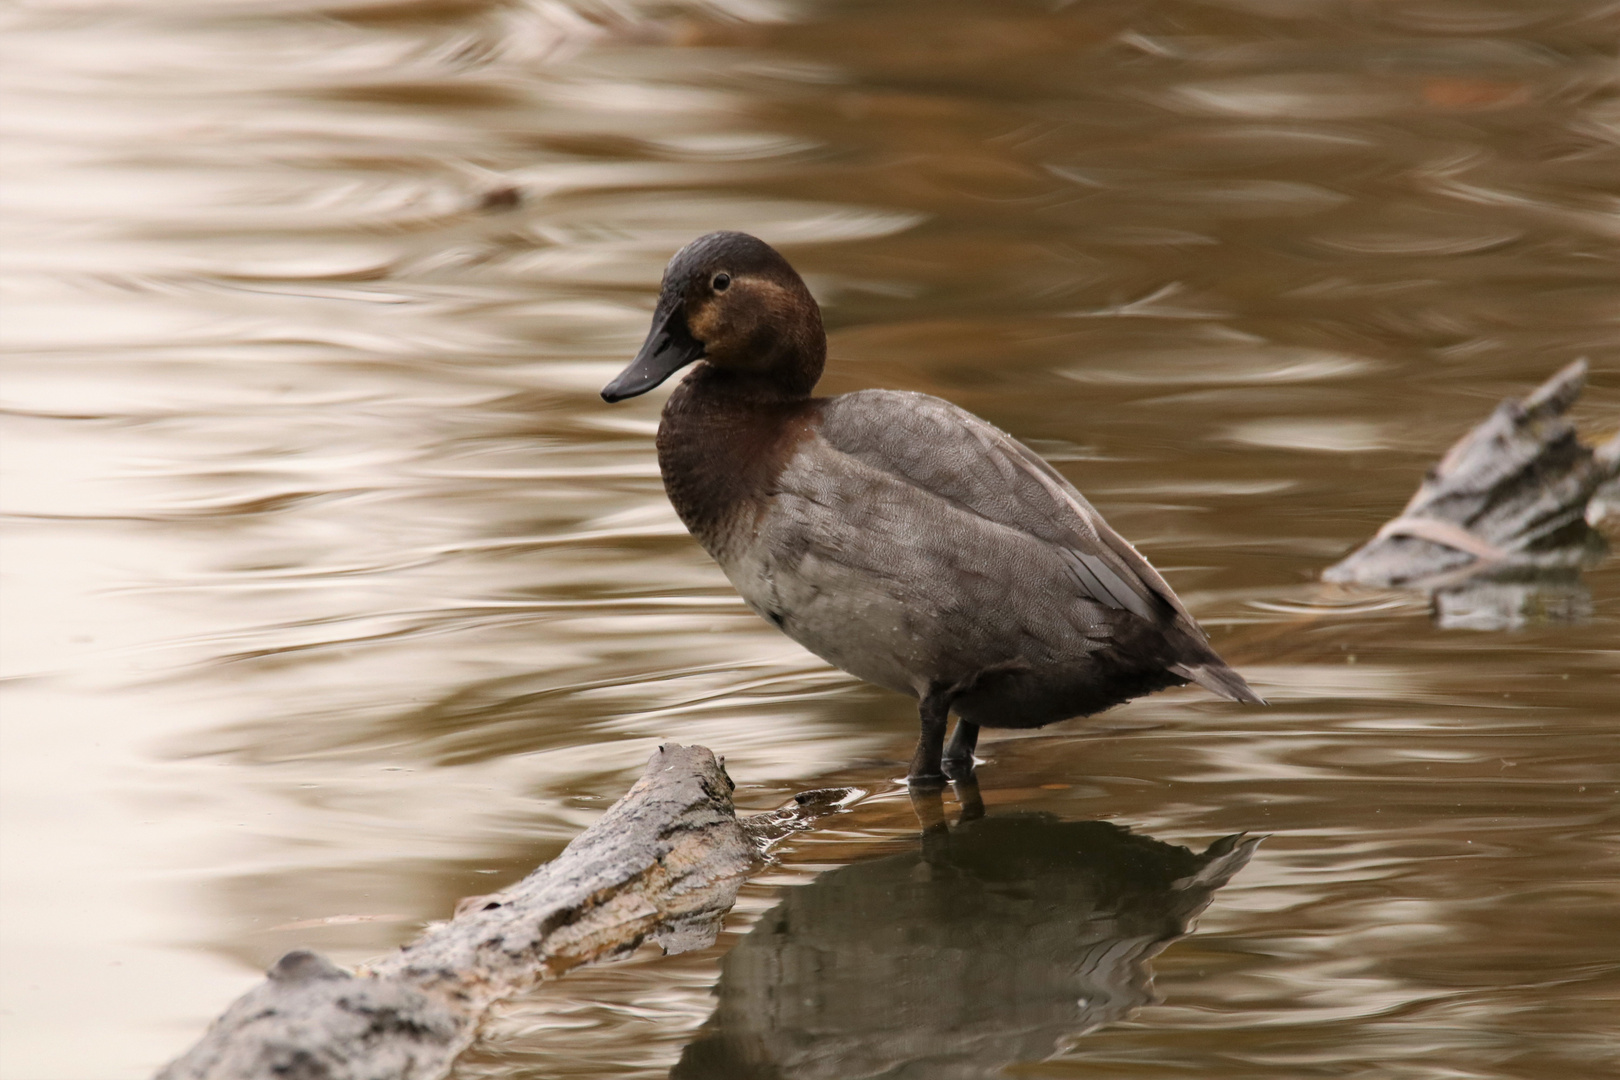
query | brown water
[334, 593]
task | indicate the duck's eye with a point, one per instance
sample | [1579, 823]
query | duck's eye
[721, 282]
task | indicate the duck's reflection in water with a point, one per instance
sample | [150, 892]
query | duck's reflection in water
[996, 941]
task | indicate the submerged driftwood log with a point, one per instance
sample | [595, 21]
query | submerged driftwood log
[663, 864]
[1503, 516]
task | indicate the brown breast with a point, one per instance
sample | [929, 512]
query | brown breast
[722, 442]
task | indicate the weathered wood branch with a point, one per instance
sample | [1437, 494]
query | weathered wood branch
[663, 864]
[1510, 496]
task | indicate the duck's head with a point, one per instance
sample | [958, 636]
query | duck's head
[731, 300]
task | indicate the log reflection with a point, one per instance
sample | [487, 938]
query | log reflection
[993, 943]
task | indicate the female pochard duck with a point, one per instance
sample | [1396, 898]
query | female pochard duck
[893, 534]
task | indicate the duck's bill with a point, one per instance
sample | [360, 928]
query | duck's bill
[668, 348]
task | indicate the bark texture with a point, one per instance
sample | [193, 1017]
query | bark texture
[1509, 499]
[664, 863]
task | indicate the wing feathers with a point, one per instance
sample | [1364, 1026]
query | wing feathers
[957, 456]
[1100, 581]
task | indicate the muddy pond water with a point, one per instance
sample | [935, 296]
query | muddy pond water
[334, 593]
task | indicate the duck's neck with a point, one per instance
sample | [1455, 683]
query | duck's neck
[723, 440]
[801, 355]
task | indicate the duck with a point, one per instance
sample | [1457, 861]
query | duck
[892, 533]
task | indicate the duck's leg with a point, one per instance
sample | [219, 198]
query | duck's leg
[958, 761]
[934, 713]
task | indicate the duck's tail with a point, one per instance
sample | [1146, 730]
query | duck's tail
[1217, 678]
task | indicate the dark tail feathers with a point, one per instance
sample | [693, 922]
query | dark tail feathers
[1217, 678]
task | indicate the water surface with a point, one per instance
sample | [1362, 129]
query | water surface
[334, 593]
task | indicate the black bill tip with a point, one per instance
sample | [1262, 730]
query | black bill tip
[668, 348]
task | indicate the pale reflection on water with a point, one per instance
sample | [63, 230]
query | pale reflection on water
[333, 593]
